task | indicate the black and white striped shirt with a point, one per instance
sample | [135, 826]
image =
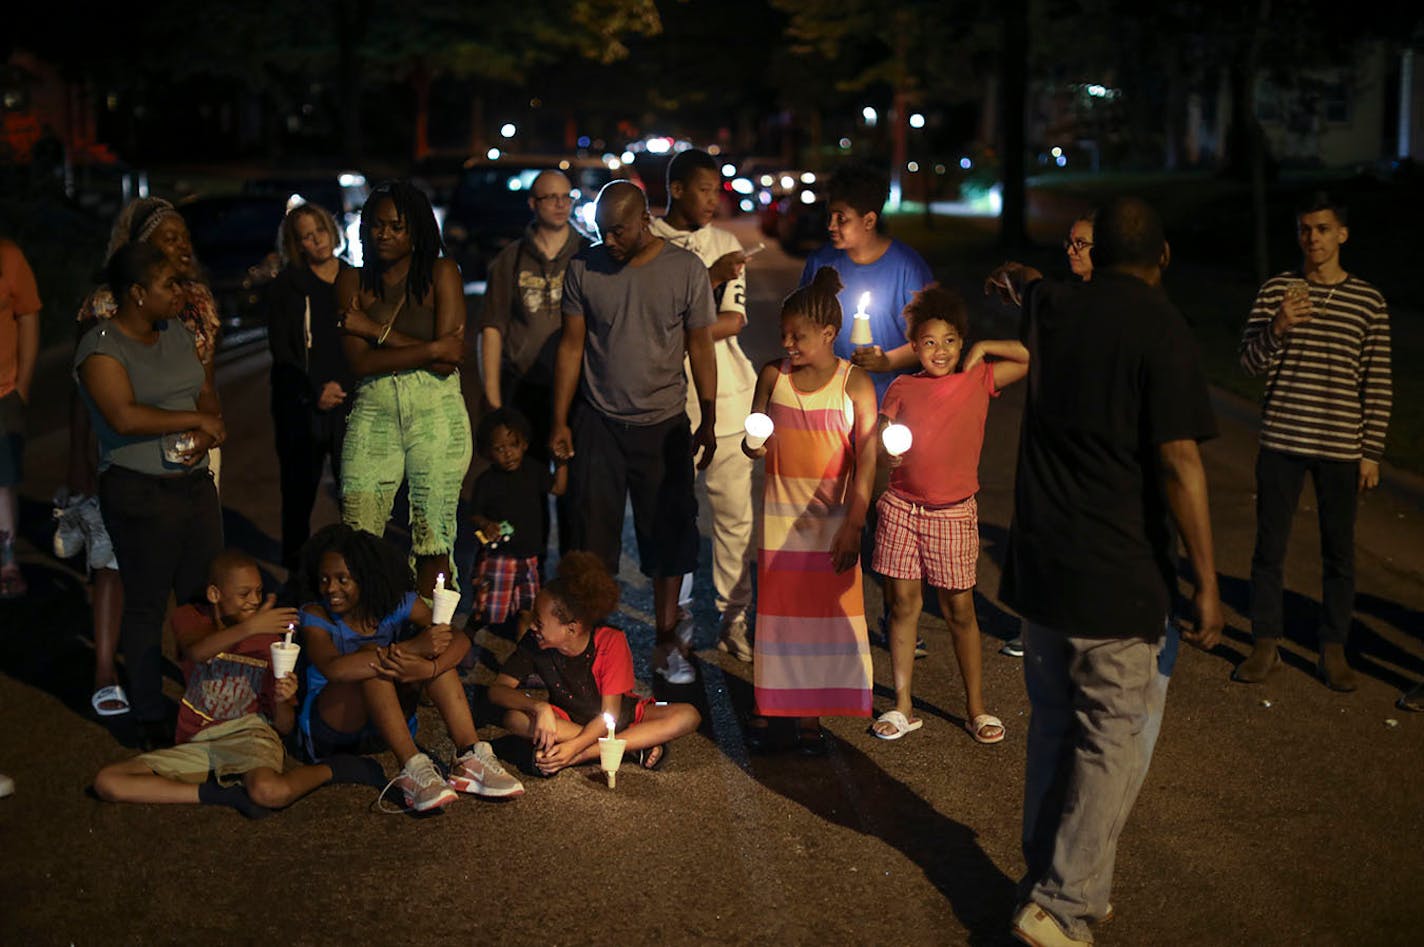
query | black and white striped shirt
[1328, 384]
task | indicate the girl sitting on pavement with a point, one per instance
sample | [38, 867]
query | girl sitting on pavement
[366, 669]
[588, 670]
[929, 519]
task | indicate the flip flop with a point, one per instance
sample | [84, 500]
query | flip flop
[979, 724]
[899, 721]
[657, 763]
[110, 694]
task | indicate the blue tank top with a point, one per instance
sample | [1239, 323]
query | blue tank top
[347, 641]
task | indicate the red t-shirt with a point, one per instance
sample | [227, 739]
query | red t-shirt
[228, 685]
[577, 683]
[946, 416]
[18, 297]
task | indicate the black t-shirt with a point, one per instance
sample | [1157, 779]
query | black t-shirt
[299, 372]
[1113, 374]
[577, 683]
[521, 497]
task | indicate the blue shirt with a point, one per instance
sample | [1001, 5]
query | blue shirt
[891, 281]
[347, 641]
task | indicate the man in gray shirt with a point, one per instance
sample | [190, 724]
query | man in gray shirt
[632, 306]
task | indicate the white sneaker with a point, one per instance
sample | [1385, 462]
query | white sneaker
[7, 786]
[672, 665]
[480, 773]
[685, 627]
[1034, 926]
[96, 535]
[421, 784]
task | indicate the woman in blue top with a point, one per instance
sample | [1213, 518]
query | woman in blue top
[367, 666]
[144, 384]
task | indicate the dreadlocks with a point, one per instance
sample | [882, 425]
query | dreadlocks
[413, 207]
[381, 573]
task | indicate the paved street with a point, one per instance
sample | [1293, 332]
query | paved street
[1273, 815]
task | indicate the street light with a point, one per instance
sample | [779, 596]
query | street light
[507, 130]
[492, 154]
[917, 120]
[870, 115]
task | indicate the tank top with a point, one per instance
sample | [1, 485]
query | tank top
[412, 319]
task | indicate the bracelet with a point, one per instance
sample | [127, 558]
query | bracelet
[381, 340]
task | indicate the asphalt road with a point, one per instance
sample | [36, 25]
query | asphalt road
[1279, 814]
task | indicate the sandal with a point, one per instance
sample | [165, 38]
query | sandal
[653, 757]
[899, 721]
[110, 694]
[983, 722]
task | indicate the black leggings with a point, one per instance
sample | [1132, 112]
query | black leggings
[166, 531]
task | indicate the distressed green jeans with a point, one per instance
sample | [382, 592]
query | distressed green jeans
[412, 426]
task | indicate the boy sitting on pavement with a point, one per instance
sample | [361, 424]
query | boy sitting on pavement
[228, 748]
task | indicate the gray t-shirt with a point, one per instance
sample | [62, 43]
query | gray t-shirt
[166, 374]
[637, 318]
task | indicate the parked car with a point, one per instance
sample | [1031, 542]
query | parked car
[489, 206]
[235, 241]
[343, 194]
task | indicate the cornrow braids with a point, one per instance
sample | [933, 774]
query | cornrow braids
[817, 300]
[413, 207]
[380, 572]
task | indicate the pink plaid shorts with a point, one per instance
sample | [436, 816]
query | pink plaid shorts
[941, 545]
[513, 585]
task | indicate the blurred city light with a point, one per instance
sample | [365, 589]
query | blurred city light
[746, 205]
[764, 197]
[351, 179]
[1061, 161]
[507, 130]
[913, 167]
[845, 144]
[808, 197]
[808, 177]
[767, 180]
[743, 186]
[917, 120]
[1056, 151]
[564, 164]
[659, 146]
[787, 182]
[627, 157]
[584, 141]
[870, 115]
[1097, 91]
[965, 163]
[492, 154]
[728, 170]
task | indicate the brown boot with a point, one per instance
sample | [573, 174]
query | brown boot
[1259, 664]
[1335, 670]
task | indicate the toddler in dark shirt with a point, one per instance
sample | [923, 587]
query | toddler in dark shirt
[514, 490]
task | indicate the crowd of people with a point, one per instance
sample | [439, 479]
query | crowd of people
[612, 374]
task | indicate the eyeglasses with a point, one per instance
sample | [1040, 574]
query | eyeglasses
[556, 198]
[1078, 244]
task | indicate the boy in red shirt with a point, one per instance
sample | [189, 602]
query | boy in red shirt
[928, 519]
[234, 713]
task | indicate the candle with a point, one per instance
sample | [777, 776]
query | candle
[860, 323]
[862, 306]
[758, 428]
[287, 638]
[897, 439]
[608, 719]
[440, 581]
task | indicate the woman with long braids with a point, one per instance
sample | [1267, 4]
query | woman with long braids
[404, 317]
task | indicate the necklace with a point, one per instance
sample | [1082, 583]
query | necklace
[1333, 286]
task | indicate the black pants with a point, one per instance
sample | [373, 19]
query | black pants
[1279, 478]
[652, 464]
[166, 531]
[305, 439]
[536, 403]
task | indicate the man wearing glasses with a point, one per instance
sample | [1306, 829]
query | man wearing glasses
[520, 321]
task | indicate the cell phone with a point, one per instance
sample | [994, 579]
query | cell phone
[750, 252]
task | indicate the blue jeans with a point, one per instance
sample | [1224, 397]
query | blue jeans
[1090, 740]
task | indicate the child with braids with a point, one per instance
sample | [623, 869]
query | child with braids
[403, 314]
[811, 656]
[372, 648]
[588, 670]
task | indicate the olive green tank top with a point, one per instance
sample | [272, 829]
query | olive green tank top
[412, 319]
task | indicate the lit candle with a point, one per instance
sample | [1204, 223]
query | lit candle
[860, 323]
[287, 638]
[440, 581]
[608, 719]
[758, 427]
[897, 439]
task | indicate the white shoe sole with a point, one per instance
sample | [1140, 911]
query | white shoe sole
[472, 787]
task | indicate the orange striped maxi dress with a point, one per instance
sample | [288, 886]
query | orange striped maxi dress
[812, 657]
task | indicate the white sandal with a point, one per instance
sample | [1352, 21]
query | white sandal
[113, 693]
[899, 721]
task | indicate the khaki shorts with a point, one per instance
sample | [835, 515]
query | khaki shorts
[227, 750]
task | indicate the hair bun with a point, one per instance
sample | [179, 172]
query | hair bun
[827, 280]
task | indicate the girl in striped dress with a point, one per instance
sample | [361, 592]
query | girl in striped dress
[811, 655]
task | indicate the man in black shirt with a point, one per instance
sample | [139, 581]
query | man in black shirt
[1116, 404]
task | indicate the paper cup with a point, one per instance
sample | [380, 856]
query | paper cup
[284, 658]
[758, 428]
[610, 757]
[897, 439]
[860, 332]
[444, 605]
